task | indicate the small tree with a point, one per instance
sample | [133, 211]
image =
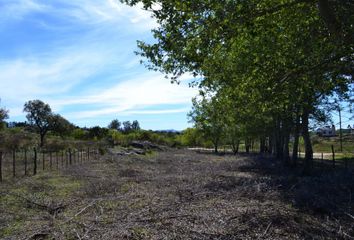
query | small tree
[4, 114]
[39, 114]
[208, 116]
[127, 126]
[135, 125]
[115, 124]
[61, 126]
[97, 132]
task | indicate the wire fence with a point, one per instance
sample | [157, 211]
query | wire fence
[28, 162]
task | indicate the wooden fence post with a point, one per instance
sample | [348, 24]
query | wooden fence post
[70, 159]
[35, 161]
[78, 157]
[66, 159]
[14, 163]
[50, 161]
[62, 158]
[73, 156]
[88, 154]
[57, 159]
[333, 157]
[43, 159]
[0, 166]
[25, 162]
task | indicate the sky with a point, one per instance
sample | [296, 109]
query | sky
[78, 56]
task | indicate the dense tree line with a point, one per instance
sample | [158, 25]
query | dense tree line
[266, 68]
[48, 129]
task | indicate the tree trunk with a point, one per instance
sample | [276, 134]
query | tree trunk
[215, 148]
[247, 146]
[270, 145]
[278, 140]
[286, 152]
[42, 139]
[235, 145]
[262, 147]
[307, 141]
[296, 140]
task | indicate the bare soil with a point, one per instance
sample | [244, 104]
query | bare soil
[179, 194]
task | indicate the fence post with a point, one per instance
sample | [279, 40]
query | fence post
[43, 159]
[57, 160]
[50, 160]
[25, 162]
[70, 159]
[66, 159]
[35, 161]
[73, 156]
[78, 157]
[14, 163]
[62, 158]
[88, 154]
[0, 166]
[333, 158]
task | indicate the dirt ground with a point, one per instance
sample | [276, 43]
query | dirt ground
[179, 194]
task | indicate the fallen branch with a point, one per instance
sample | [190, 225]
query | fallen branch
[81, 211]
[266, 231]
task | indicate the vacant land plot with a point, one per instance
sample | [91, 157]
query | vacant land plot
[179, 194]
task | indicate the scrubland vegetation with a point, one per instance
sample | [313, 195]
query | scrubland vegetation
[267, 72]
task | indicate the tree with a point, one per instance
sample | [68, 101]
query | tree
[207, 115]
[191, 137]
[4, 114]
[135, 125]
[114, 124]
[127, 126]
[61, 126]
[39, 114]
[97, 132]
[276, 61]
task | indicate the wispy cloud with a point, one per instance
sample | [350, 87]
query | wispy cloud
[144, 91]
[78, 57]
[85, 11]
[17, 10]
[54, 74]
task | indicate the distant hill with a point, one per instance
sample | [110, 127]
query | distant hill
[168, 131]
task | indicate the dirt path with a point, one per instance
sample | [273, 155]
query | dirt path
[180, 194]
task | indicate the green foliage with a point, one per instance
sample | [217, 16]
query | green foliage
[16, 138]
[114, 124]
[263, 63]
[43, 120]
[97, 133]
[79, 134]
[61, 126]
[124, 139]
[127, 126]
[191, 137]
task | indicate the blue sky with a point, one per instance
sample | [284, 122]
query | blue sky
[78, 56]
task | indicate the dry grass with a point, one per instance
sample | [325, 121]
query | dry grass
[179, 194]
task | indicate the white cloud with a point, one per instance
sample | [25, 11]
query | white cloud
[18, 9]
[144, 91]
[21, 79]
[66, 71]
[86, 12]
